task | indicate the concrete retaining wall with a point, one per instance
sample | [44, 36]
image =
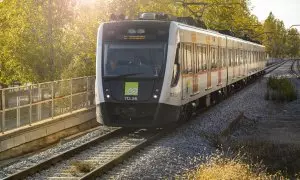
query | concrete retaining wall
[41, 134]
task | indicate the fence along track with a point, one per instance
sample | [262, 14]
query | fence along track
[24, 105]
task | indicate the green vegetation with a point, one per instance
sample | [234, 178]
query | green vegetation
[54, 39]
[280, 89]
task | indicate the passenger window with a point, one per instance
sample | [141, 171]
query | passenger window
[184, 60]
[189, 58]
[198, 57]
[224, 57]
[241, 57]
[176, 68]
[204, 58]
[229, 57]
[213, 58]
[232, 57]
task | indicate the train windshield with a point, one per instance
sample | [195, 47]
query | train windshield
[134, 59]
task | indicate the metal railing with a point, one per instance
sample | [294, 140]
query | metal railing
[25, 105]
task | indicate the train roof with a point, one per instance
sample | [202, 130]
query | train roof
[212, 32]
[186, 27]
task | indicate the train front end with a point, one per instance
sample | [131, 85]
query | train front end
[130, 68]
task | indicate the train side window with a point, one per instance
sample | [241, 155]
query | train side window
[189, 58]
[176, 68]
[229, 57]
[184, 60]
[219, 57]
[198, 58]
[236, 57]
[195, 59]
[204, 58]
[224, 57]
[233, 57]
[242, 59]
[213, 58]
[248, 58]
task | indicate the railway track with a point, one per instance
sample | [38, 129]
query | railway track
[274, 66]
[36, 167]
[97, 156]
[93, 158]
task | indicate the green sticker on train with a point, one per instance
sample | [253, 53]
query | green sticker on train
[131, 88]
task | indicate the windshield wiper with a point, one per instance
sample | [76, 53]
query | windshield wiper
[129, 74]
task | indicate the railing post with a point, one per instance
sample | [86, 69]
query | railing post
[18, 108]
[30, 103]
[3, 110]
[87, 91]
[71, 105]
[52, 98]
[39, 111]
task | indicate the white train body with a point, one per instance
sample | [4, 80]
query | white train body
[196, 63]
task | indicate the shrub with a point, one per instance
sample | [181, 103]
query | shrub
[280, 89]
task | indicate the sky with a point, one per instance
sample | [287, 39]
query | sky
[286, 10]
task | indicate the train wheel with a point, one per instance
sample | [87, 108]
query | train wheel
[186, 113]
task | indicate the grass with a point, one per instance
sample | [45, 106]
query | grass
[81, 167]
[280, 89]
[219, 166]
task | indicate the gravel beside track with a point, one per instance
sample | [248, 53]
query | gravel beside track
[39, 157]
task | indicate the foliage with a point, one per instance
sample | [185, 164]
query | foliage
[54, 39]
[280, 89]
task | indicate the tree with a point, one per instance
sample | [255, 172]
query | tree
[293, 43]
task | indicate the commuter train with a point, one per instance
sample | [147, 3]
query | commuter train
[150, 73]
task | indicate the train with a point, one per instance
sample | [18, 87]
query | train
[154, 72]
